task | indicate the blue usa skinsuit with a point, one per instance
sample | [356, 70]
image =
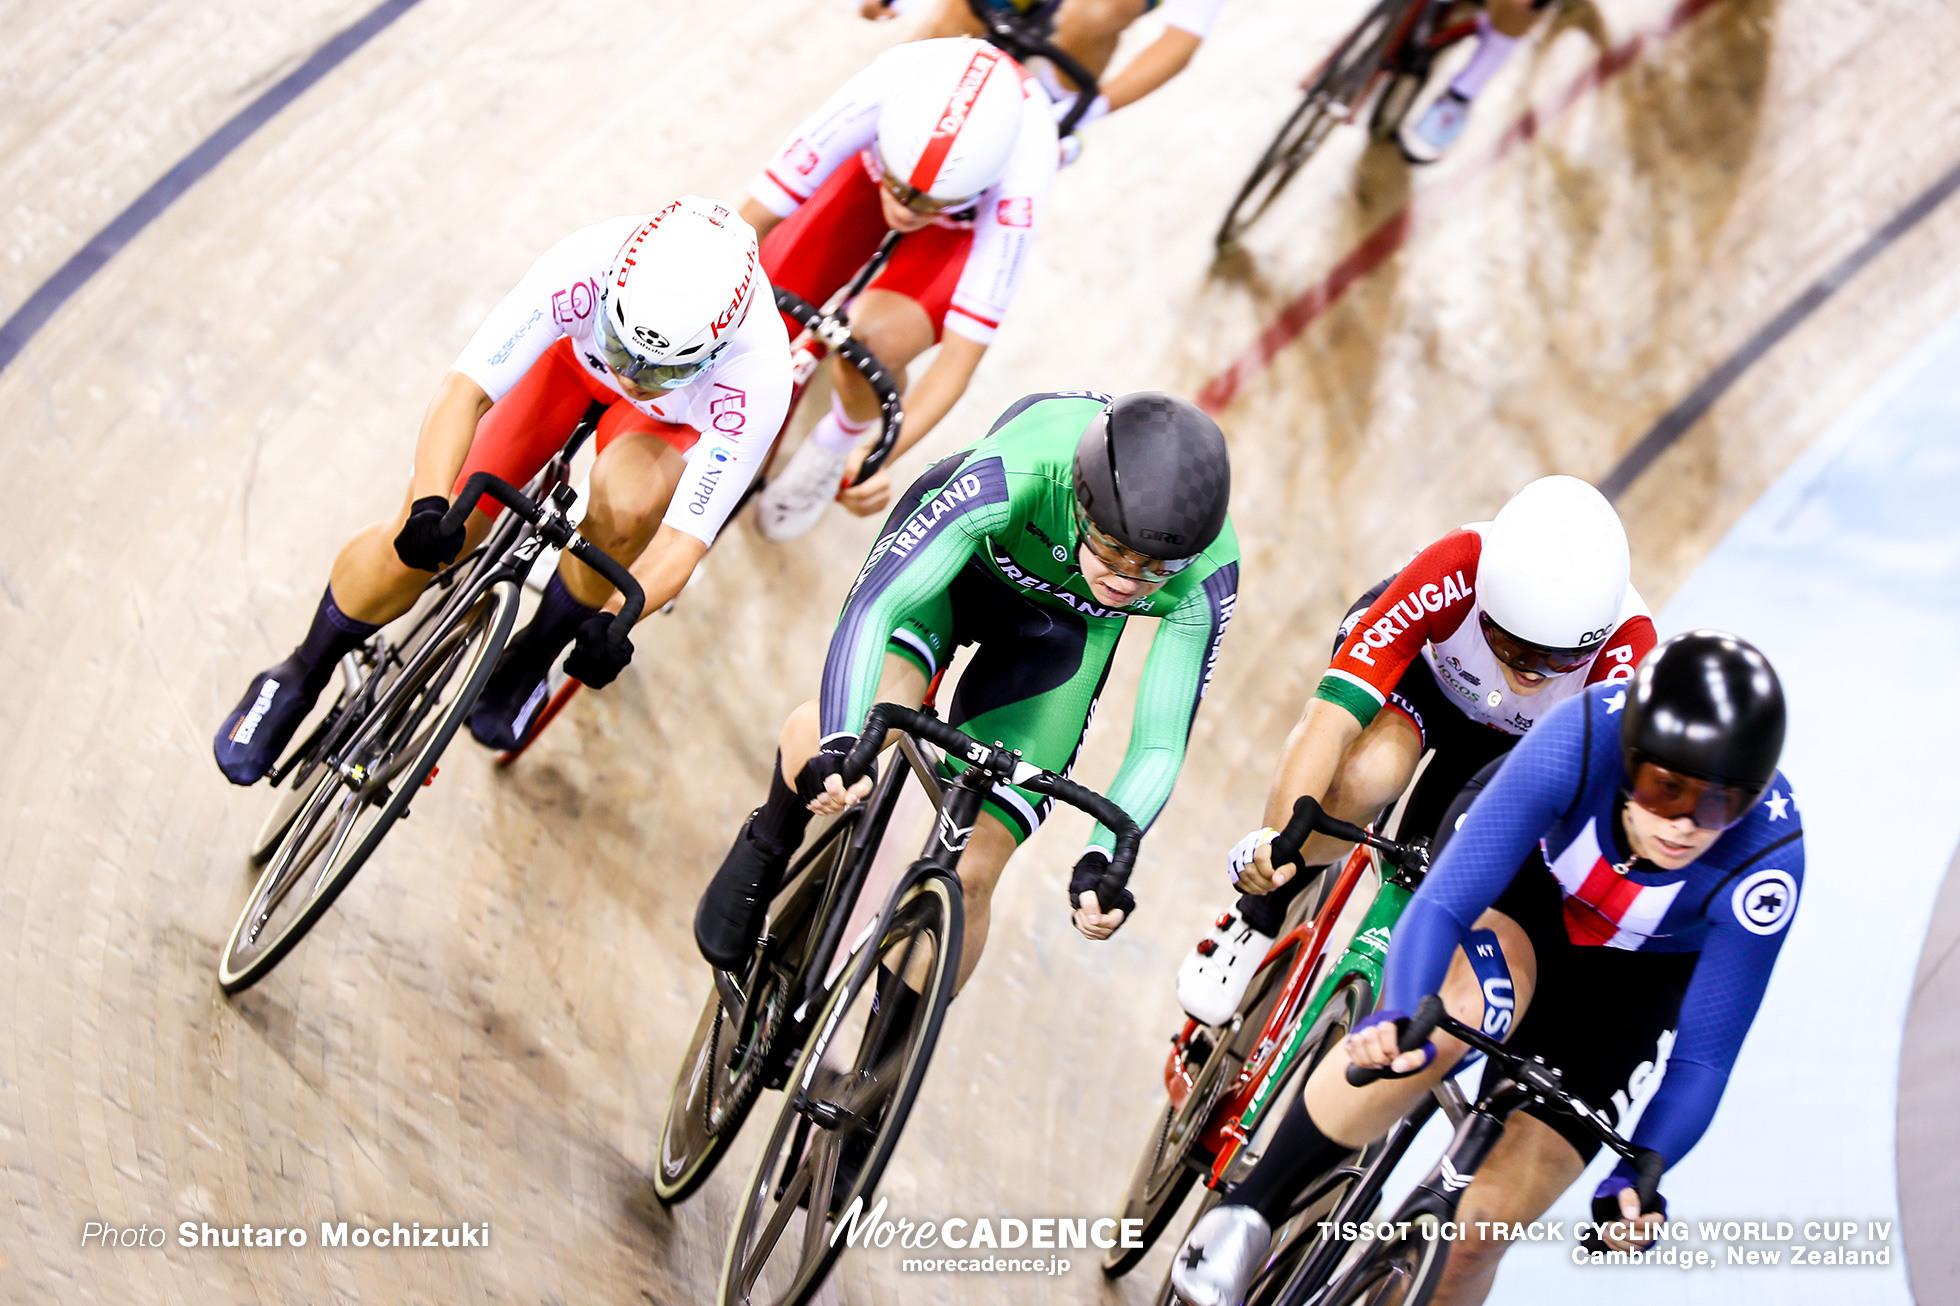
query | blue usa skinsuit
[1559, 793]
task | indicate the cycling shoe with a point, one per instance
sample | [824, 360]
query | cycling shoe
[262, 724]
[729, 918]
[516, 691]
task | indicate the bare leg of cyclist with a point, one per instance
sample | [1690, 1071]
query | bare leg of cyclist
[896, 329]
[1090, 29]
[1501, 25]
[633, 481]
[1368, 775]
[1375, 770]
[1372, 773]
[1524, 1174]
[370, 585]
[370, 581]
[729, 917]
[1353, 1116]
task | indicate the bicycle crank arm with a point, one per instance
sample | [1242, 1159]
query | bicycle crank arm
[829, 1116]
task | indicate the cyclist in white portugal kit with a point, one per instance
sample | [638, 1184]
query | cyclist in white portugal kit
[1460, 652]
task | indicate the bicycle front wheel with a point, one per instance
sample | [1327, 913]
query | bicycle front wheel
[1400, 1272]
[433, 683]
[1332, 98]
[734, 1052]
[847, 1103]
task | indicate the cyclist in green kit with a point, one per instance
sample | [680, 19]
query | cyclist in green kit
[1075, 513]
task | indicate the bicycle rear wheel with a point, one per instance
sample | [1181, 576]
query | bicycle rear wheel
[433, 681]
[1332, 98]
[846, 1106]
[725, 1064]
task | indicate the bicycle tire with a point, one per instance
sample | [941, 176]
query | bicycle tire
[1393, 105]
[1164, 1172]
[1402, 1271]
[685, 1155]
[932, 906]
[477, 640]
[1331, 98]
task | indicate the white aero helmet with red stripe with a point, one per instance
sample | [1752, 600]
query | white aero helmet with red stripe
[676, 291]
[946, 131]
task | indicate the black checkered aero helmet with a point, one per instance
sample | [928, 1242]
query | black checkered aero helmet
[1152, 473]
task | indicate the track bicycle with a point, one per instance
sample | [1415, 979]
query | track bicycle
[1227, 1085]
[1028, 34]
[1392, 49]
[1404, 1270]
[847, 1029]
[403, 694]
[823, 330]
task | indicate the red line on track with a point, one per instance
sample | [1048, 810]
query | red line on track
[1380, 244]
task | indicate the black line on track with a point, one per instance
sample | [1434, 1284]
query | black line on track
[1676, 421]
[71, 276]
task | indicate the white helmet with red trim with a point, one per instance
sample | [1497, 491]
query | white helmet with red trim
[676, 291]
[1553, 571]
[945, 133]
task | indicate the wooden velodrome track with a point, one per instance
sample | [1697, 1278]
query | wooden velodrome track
[486, 1027]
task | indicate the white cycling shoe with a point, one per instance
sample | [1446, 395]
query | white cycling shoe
[793, 502]
[1214, 977]
[1223, 1252]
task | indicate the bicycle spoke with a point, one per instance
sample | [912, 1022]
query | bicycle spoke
[387, 738]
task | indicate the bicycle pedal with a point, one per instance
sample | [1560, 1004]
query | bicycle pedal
[825, 1115]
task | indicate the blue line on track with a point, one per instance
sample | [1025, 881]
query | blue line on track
[1675, 422]
[31, 316]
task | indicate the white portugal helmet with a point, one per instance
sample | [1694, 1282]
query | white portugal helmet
[1552, 576]
[945, 133]
[675, 293]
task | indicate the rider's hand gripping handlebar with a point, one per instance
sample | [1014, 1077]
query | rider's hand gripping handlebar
[1310, 819]
[632, 597]
[893, 716]
[1411, 1033]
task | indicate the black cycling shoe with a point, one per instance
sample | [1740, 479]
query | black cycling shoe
[511, 700]
[262, 724]
[728, 920]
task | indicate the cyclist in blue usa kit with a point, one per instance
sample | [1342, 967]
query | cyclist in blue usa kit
[1636, 860]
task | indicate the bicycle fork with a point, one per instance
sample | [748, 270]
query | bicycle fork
[1478, 1132]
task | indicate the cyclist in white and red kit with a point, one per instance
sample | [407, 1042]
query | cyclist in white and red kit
[951, 143]
[654, 316]
[1469, 645]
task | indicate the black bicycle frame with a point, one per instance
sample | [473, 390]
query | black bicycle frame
[958, 808]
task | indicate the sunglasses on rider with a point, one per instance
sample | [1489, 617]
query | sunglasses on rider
[1671, 796]
[1121, 559]
[629, 366]
[1529, 659]
[921, 203]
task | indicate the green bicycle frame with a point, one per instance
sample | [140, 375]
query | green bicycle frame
[1365, 955]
